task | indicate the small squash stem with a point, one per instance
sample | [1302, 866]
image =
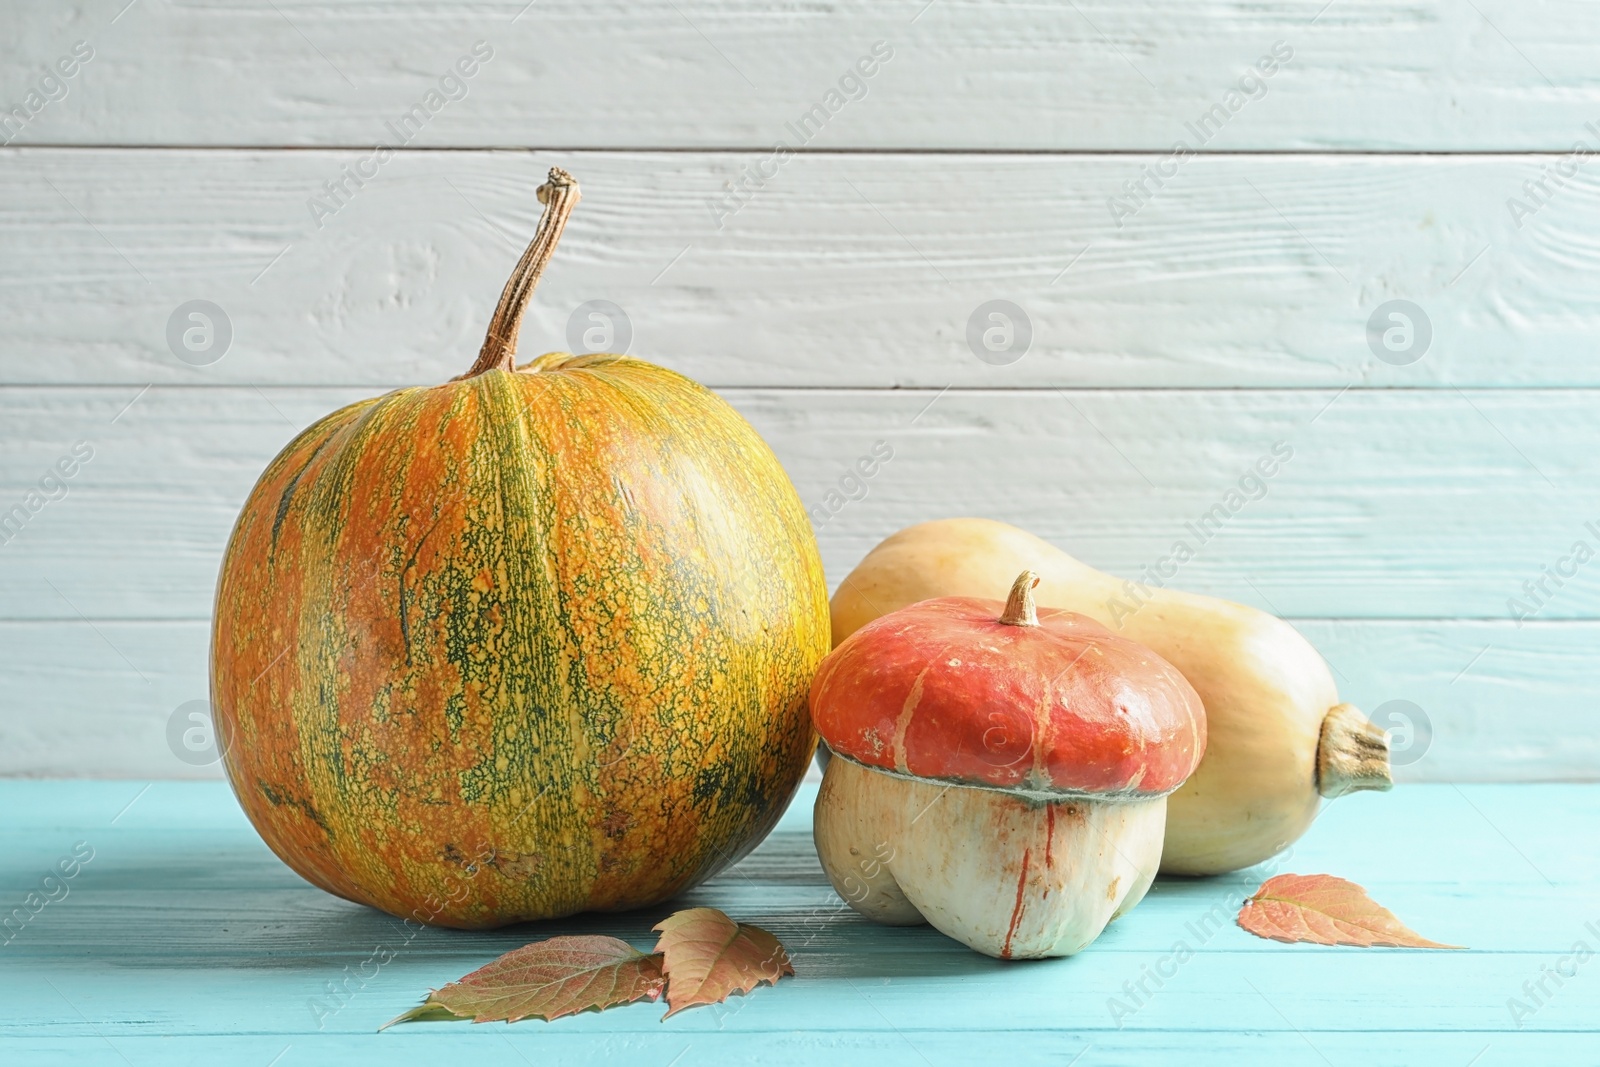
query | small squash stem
[1020, 609]
[559, 195]
[1352, 754]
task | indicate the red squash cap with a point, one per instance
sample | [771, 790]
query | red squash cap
[1046, 702]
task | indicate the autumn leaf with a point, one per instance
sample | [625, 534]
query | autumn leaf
[1324, 910]
[707, 957]
[546, 980]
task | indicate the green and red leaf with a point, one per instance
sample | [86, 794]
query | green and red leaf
[547, 980]
[708, 957]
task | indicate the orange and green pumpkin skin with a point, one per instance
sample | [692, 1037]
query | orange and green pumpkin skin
[521, 645]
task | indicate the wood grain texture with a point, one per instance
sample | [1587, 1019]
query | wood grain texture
[1366, 74]
[1407, 506]
[792, 1048]
[95, 699]
[1227, 312]
[183, 941]
[1412, 504]
[1242, 271]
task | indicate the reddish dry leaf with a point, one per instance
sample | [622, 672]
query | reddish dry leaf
[1324, 910]
[707, 957]
[546, 980]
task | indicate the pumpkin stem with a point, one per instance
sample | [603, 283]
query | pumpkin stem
[559, 195]
[1020, 610]
[1352, 754]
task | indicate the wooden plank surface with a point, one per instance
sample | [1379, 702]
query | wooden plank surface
[846, 270]
[1364, 74]
[1408, 504]
[905, 1048]
[1500, 703]
[1177, 332]
[183, 939]
[1399, 531]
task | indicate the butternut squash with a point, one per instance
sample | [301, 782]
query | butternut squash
[1279, 739]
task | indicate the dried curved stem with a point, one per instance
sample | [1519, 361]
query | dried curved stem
[559, 195]
[1020, 609]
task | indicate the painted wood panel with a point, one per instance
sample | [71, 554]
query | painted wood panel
[1364, 74]
[792, 1048]
[1496, 703]
[1182, 314]
[1380, 504]
[183, 925]
[845, 270]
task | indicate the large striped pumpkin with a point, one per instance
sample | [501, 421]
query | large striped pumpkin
[532, 642]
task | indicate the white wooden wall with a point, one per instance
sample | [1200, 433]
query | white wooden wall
[1171, 346]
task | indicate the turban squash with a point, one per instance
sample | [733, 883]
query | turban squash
[1277, 738]
[531, 642]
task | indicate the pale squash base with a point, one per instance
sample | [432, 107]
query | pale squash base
[1007, 876]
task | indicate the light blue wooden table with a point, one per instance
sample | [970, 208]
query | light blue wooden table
[184, 941]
